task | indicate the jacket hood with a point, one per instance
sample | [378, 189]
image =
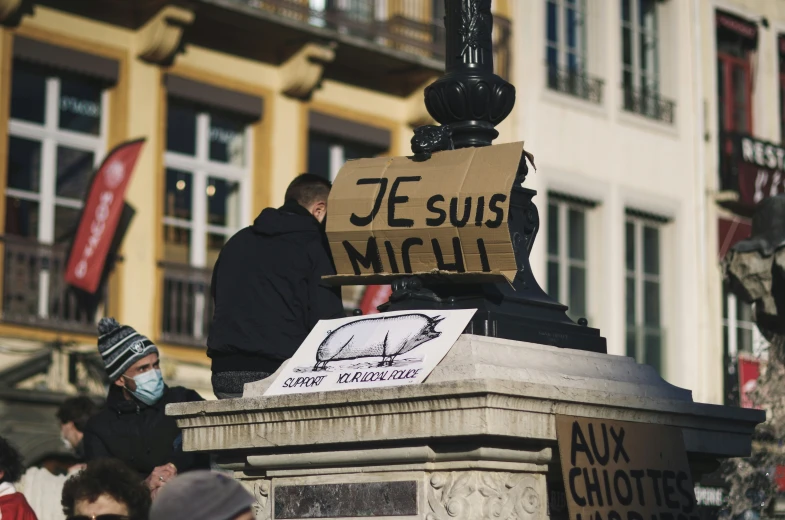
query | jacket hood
[289, 218]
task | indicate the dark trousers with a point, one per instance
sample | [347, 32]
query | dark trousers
[229, 385]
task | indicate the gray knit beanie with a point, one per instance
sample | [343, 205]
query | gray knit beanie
[201, 495]
[121, 346]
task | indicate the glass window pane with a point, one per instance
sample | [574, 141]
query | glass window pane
[223, 202]
[741, 99]
[647, 12]
[626, 46]
[24, 164]
[651, 250]
[626, 12]
[553, 229]
[653, 350]
[21, 217]
[572, 28]
[80, 105]
[66, 222]
[177, 244]
[74, 172]
[553, 280]
[629, 232]
[28, 94]
[743, 311]
[358, 151]
[744, 339]
[651, 304]
[553, 22]
[179, 190]
[577, 234]
[227, 140]
[181, 128]
[553, 62]
[577, 301]
[318, 155]
[631, 342]
[630, 300]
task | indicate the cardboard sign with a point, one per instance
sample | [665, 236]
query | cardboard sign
[446, 215]
[617, 470]
[389, 349]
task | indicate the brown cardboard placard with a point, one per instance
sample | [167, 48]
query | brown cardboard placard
[616, 470]
[392, 216]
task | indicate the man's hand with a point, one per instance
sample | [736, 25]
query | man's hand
[159, 477]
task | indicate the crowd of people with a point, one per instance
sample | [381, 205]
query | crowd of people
[268, 293]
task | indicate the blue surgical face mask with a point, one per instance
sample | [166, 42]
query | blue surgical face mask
[149, 387]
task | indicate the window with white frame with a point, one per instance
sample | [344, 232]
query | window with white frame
[739, 332]
[57, 137]
[567, 254]
[207, 168]
[640, 50]
[327, 153]
[643, 291]
[566, 36]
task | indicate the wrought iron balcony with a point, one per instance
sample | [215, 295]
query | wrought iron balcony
[575, 84]
[404, 25]
[187, 305]
[649, 104]
[35, 292]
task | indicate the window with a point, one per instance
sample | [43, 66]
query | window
[643, 291]
[326, 153]
[739, 336]
[56, 141]
[781, 42]
[566, 35]
[567, 255]
[207, 170]
[640, 60]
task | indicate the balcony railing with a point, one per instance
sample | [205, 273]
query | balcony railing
[35, 292]
[404, 25]
[575, 84]
[187, 304]
[649, 104]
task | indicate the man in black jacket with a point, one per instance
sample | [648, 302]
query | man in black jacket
[267, 288]
[134, 427]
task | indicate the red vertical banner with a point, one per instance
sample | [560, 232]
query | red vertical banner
[374, 296]
[101, 214]
[749, 370]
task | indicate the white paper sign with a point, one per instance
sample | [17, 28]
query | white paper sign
[388, 349]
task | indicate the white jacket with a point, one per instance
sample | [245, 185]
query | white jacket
[44, 491]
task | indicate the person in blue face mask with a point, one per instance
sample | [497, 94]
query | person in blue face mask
[134, 427]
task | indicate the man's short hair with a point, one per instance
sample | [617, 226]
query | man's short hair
[107, 477]
[308, 189]
[77, 410]
[10, 462]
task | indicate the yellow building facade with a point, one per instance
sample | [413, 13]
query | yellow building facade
[234, 98]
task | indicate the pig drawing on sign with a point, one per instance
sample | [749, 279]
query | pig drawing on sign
[386, 337]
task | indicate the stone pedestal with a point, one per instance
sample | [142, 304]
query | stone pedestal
[477, 440]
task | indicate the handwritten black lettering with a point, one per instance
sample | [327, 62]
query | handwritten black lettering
[442, 215]
[486, 266]
[619, 450]
[371, 259]
[614, 515]
[655, 475]
[607, 486]
[575, 473]
[668, 489]
[395, 199]
[405, 247]
[457, 266]
[605, 456]
[377, 204]
[592, 488]
[391, 256]
[343, 378]
[579, 444]
[467, 212]
[624, 498]
[480, 211]
[682, 481]
[496, 199]
[637, 474]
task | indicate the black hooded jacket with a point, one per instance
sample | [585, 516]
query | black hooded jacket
[268, 291]
[141, 436]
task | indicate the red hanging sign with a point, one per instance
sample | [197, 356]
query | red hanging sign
[749, 370]
[374, 296]
[100, 217]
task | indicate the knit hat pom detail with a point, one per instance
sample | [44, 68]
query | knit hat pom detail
[107, 325]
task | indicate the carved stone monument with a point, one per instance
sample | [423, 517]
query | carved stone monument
[478, 439]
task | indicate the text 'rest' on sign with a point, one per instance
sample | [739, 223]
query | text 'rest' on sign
[616, 470]
[445, 216]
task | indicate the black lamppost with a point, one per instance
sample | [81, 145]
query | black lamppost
[469, 101]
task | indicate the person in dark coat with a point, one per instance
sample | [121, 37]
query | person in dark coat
[134, 427]
[268, 290]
